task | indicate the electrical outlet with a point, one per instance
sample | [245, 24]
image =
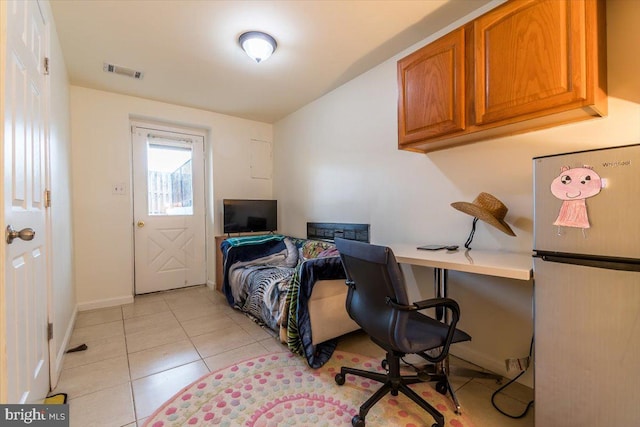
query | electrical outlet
[517, 364]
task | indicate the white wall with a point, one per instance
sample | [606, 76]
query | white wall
[101, 156]
[63, 292]
[336, 159]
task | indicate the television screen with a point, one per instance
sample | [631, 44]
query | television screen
[250, 215]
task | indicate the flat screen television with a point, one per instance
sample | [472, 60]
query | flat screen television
[241, 216]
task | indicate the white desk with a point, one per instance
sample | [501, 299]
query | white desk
[492, 263]
[511, 265]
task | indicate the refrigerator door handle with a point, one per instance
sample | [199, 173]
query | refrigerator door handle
[590, 261]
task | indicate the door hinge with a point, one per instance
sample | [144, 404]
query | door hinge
[46, 66]
[49, 331]
[47, 198]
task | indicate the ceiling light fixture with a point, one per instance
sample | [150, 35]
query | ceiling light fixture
[258, 45]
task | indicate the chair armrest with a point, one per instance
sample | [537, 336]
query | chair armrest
[437, 302]
[427, 303]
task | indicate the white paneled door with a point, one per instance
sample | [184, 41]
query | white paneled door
[169, 210]
[25, 300]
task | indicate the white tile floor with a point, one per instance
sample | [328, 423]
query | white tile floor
[141, 354]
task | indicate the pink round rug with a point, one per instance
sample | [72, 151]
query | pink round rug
[281, 390]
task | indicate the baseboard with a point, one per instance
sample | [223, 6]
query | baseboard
[62, 350]
[484, 361]
[211, 285]
[104, 303]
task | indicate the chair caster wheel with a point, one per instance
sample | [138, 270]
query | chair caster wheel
[384, 364]
[339, 379]
[357, 421]
[441, 387]
[394, 392]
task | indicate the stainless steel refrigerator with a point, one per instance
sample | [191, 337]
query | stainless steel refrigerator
[587, 288]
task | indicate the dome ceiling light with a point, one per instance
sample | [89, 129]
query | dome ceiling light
[258, 45]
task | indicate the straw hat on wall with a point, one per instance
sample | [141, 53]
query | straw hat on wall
[487, 208]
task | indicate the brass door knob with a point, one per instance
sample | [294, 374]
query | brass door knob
[24, 234]
[140, 224]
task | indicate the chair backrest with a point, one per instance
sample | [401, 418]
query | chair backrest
[373, 275]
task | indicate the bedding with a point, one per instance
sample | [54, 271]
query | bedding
[270, 278]
[299, 334]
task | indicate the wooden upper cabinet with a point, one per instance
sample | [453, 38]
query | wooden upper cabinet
[528, 64]
[530, 57]
[432, 90]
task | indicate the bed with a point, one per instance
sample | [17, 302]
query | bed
[295, 288]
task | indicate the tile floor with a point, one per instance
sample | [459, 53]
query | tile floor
[141, 354]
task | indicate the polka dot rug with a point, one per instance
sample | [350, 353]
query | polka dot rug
[280, 389]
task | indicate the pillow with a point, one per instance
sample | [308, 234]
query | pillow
[313, 248]
[329, 252]
[292, 254]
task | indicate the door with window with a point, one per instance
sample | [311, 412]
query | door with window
[169, 209]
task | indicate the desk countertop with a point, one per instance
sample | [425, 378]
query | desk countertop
[493, 263]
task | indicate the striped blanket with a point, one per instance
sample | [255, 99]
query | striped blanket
[271, 280]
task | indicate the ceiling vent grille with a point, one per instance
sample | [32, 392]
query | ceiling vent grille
[123, 71]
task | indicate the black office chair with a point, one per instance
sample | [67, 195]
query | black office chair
[377, 301]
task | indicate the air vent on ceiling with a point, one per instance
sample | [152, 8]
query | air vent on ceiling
[116, 69]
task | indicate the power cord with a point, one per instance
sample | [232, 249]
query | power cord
[415, 368]
[529, 405]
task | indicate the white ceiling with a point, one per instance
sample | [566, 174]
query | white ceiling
[190, 56]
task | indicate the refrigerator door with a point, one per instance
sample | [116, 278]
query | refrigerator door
[587, 345]
[575, 214]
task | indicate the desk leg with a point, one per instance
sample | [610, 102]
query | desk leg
[440, 290]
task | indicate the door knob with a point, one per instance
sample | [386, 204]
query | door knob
[24, 234]
[140, 224]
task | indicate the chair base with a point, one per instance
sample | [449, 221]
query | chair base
[443, 386]
[393, 382]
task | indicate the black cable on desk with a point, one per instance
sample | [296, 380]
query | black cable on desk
[529, 405]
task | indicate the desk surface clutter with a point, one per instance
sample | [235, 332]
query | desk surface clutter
[511, 265]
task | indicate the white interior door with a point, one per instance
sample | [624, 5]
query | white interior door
[25, 138]
[169, 210]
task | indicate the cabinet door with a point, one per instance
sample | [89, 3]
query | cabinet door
[529, 59]
[431, 90]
